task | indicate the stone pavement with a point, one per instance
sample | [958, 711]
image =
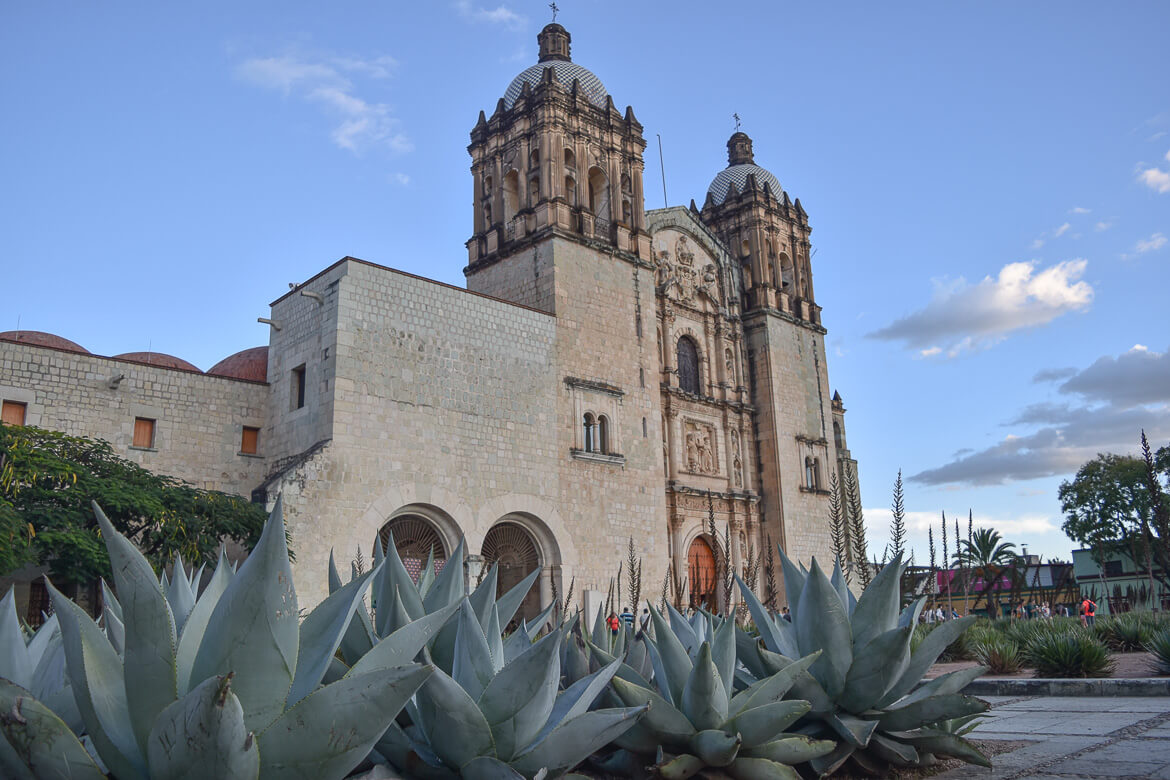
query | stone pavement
[1076, 737]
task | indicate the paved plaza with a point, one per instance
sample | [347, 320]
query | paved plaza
[1077, 737]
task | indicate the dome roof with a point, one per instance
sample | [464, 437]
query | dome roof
[738, 174]
[40, 339]
[251, 364]
[160, 359]
[591, 86]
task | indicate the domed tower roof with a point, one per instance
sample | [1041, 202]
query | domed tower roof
[160, 359]
[741, 164]
[250, 364]
[554, 53]
[41, 339]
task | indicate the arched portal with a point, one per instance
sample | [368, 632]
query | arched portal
[702, 575]
[414, 538]
[511, 547]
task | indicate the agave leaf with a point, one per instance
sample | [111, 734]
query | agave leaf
[426, 577]
[99, 688]
[403, 645]
[321, 635]
[875, 669]
[577, 698]
[924, 657]
[396, 577]
[359, 634]
[680, 767]
[856, 731]
[115, 631]
[704, 698]
[951, 682]
[150, 631]
[515, 644]
[511, 601]
[518, 700]
[379, 557]
[794, 580]
[919, 713]
[909, 614]
[676, 663]
[765, 724]
[792, 749]
[600, 630]
[334, 575]
[777, 636]
[253, 629]
[180, 595]
[822, 624]
[575, 663]
[455, 727]
[723, 653]
[877, 609]
[897, 753]
[495, 640]
[484, 595]
[683, 630]
[448, 586]
[473, 667]
[39, 742]
[773, 687]
[40, 639]
[110, 601]
[805, 687]
[411, 757]
[745, 768]
[488, 768]
[534, 627]
[574, 740]
[331, 730]
[196, 624]
[203, 735]
[668, 724]
[827, 764]
[15, 663]
[716, 747]
[747, 653]
[395, 614]
[949, 745]
[842, 588]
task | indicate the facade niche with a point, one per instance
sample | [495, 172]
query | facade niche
[688, 365]
[511, 195]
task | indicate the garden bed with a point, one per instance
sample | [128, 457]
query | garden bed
[1129, 666]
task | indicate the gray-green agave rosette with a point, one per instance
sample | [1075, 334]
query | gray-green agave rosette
[864, 688]
[227, 685]
[697, 720]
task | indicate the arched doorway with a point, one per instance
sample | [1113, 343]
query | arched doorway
[414, 538]
[702, 574]
[512, 547]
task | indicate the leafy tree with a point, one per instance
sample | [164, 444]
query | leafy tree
[48, 481]
[985, 553]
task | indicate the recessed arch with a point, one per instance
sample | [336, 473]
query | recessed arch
[511, 194]
[688, 365]
[510, 546]
[416, 536]
[599, 193]
[702, 573]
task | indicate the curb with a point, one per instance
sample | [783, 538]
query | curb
[1090, 687]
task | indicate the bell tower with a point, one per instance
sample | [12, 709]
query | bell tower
[555, 158]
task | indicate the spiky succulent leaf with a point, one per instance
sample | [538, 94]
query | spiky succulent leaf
[941, 707]
[334, 575]
[15, 663]
[150, 630]
[715, 746]
[411, 756]
[683, 630]
[331, 730]
[578, 698]
[952, 745]
[395, 577]
[676, 664]
[99, 688]
[909, 614]
[669, 725]
[876, 668]
[495, 640]
[804, 687]
[321, 635]
[484, 594]
[115, 631]
[680, 767]
[109, 600]
[571, 742]
[823, 624]
[253, 629]
[50, 680]
[723, 653]
[924, 657]
[951, 682]
[426, 577]
[39, 744]
[180, 594]
[704, 698]
[196, 624]
[454, 725]
[766, 723]
[448, 585]
[854, 730]
[827, 764]
[772, 688]
[877, 609]
[511, 601]
[745, 768]
[891, 750]
[778, 634]
[203, 735]
[518, 700]
[403, 645]
[792, 749]
[472, 668]
[488, 768]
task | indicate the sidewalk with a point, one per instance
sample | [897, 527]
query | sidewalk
[1076, 737]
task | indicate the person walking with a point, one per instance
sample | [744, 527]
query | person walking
[1088, 612]
[613, 623]
[627, 617]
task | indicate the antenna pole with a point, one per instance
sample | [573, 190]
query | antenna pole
[662, 167]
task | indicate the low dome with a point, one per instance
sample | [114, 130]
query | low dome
[160, 359]
[590, 86]
[738, 174]
[40, 339]
[250, 364]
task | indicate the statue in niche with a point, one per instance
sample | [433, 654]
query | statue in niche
[737, 472]
[683, 254]
[700, 440]
[692, 449]
[730, 359]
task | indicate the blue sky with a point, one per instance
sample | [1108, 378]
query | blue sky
[988, 183]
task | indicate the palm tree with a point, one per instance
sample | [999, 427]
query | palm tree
[987, 554]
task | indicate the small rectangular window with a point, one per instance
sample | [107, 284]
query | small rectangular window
[297, 394]
[143, 432]
[250, 440]
[13, 413]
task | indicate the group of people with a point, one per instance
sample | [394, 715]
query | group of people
[614, 621]
[937, 615]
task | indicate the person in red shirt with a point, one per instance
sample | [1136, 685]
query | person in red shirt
[1088, 612]
[613, 623]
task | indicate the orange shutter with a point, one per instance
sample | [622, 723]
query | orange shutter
[12, 413]
[250, 440]
[143, 432]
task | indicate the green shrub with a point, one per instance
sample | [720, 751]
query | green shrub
[958, 650]
[1073, 654]
[997, 652]
[1126, 633]
[1159, 646]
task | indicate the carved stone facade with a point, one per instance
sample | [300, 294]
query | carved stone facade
[608, 373]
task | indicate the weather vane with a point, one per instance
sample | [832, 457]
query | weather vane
[554, 8]
[736, 117]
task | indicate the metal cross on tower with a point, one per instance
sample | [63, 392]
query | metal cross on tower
[736, 117]
[554, 8]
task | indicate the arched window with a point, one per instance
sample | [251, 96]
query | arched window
[533, 190]
[745, 248]
[816, 474]
[534, 159]
[688, 365]
[701, 572]
[511, 194]
[415, 539]
[598, 193]
[570, 159]
[785, 273]
[837, 435]
[487, 185]
[571, 190]
[809, 474]
[603, 434]
[590, 423]
[511, 548]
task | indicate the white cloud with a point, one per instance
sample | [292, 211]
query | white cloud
[1060, 231]
[963, 316]
[1151, 244]
[1011, 527]
[328, 83]
[501, 15]
[1079, 210]
[1156, 178]
[1037, 243]
[402, 179]
[1102, 226]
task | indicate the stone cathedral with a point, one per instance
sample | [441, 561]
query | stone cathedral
[608, 373]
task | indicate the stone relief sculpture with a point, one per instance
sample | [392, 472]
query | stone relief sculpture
[700, 442]
[736, 462]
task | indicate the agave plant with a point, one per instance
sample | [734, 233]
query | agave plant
[235, 692]
[864, 688]
[697, 721]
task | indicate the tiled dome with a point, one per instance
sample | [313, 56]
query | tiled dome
[160, 359]
[739, 175]
[251, 364]
[590, 86]
[40, 339]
